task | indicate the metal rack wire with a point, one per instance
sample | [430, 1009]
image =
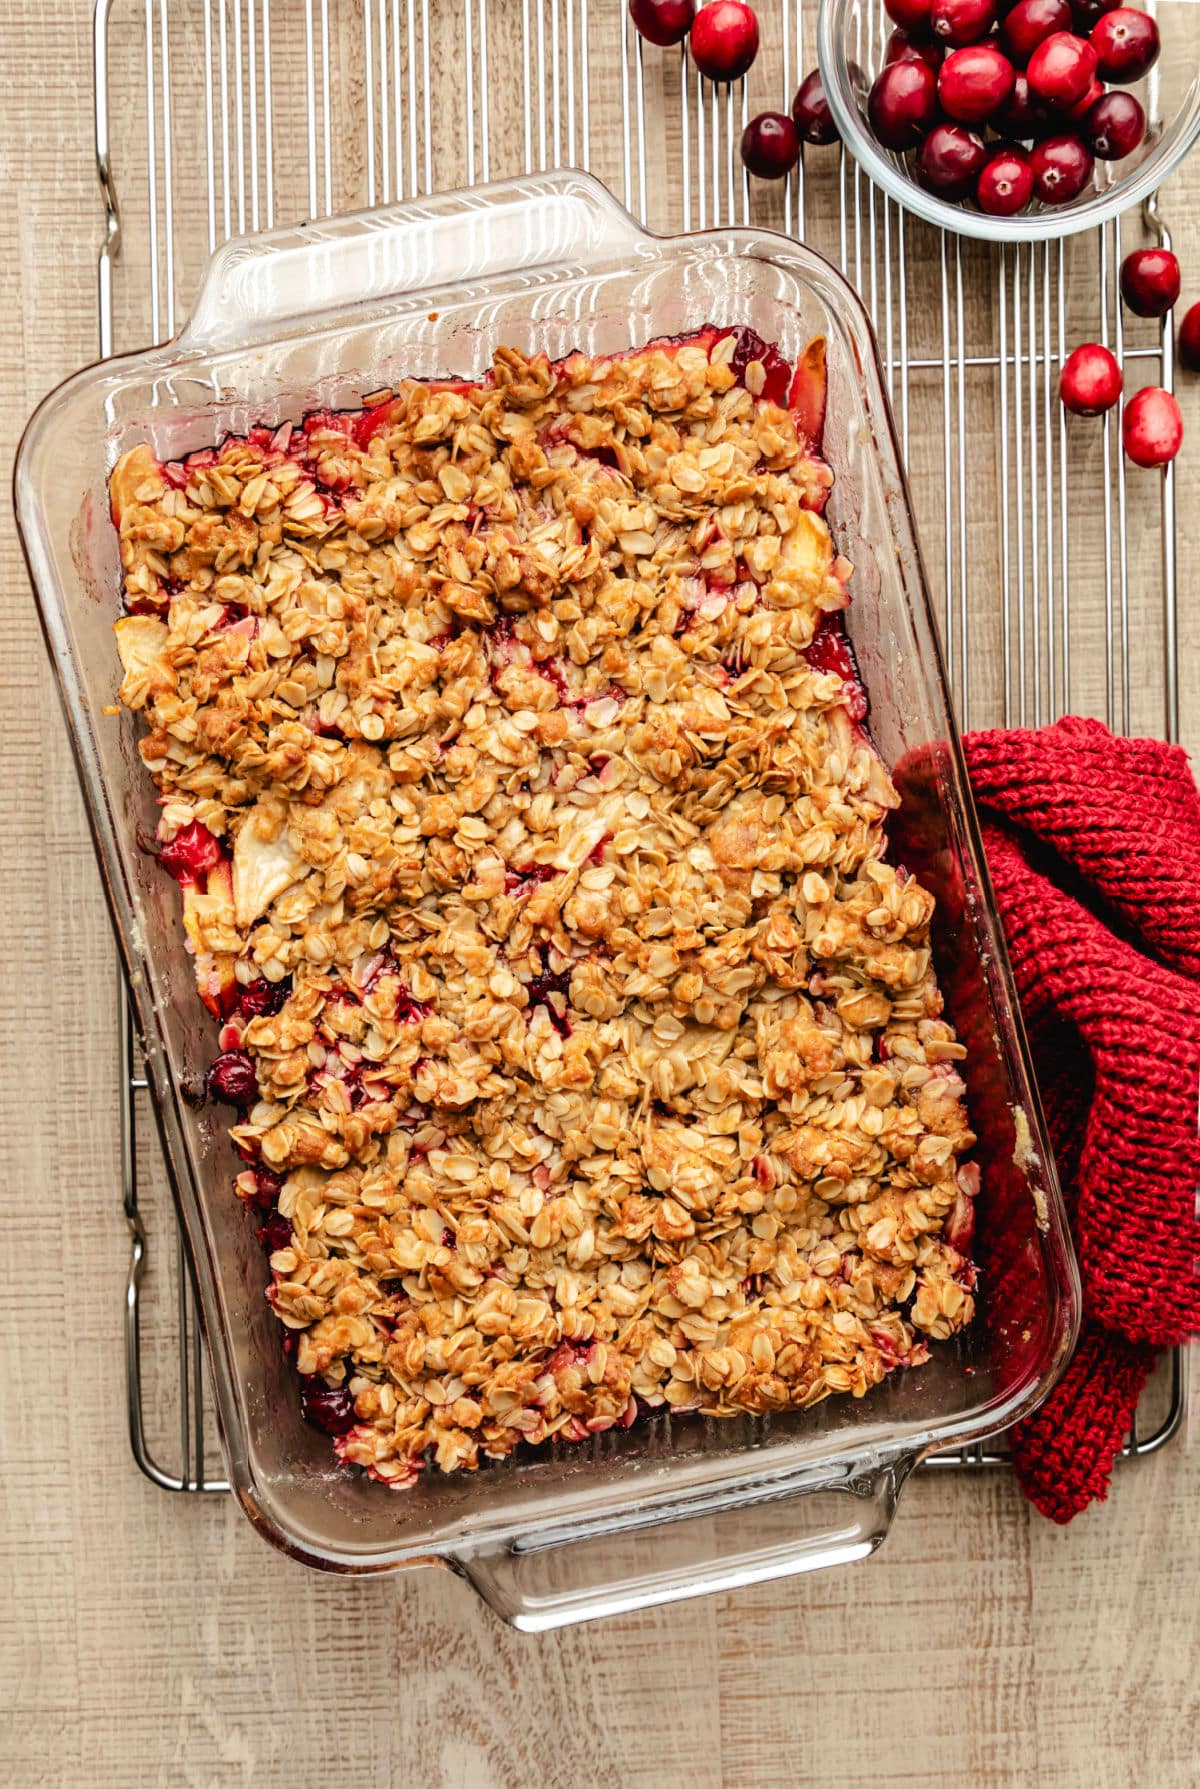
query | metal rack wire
[214, 117]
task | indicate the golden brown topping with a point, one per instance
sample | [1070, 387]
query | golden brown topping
[598, 1050]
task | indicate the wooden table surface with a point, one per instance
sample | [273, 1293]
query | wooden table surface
[151, 1639]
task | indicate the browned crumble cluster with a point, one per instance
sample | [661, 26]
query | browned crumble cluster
[609, 1065]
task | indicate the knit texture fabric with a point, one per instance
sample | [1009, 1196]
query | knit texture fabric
[1093, 842]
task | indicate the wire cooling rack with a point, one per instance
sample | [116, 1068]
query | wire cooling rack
[214, 117]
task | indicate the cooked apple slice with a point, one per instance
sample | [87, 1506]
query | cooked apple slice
[217, 982]
[262, 867]
[136, 478]
[142, 642]
[809, 387]
[805, 570]
[208, 913]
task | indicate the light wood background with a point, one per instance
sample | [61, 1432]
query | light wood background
[150, 1639]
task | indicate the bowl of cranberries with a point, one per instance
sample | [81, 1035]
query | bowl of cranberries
[1017, 120]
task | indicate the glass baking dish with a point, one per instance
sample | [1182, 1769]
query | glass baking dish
[320, 316]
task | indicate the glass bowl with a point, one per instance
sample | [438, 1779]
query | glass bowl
[851, 40]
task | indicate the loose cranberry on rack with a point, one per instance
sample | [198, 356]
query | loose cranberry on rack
[1189, 339]
[1090, 382]
[771, 145]
[724, 40]
[811, 114]
[662, 22]
[1152, 428]
[1150, 281]
[903, 104]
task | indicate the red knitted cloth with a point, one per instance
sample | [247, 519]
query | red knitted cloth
[1093, 842]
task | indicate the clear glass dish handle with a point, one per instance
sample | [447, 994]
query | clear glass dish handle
[255, 285]
[542, 1586]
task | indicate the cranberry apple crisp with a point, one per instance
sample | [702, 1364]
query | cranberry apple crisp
[586, 1048]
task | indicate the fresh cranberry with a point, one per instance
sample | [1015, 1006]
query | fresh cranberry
[903, 47]
[1153, 427]
[1029, 23]
[1150, 281]
[1062, 167]
[724, 40]
[1090, 382]
[1006, 182]
[1189, 340]
[231, 1078]
[810, 112]
[1062, 68]
[191, 854]
[327, 1407]
[950, 160]
[662, 22]
[1024, 117]
[771, 145]
[913, 15]
[903, 104]
[1115, 126]
[975, 83]
[1126, 44]
[960, 22]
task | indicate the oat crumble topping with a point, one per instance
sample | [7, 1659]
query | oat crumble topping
[588, 1050]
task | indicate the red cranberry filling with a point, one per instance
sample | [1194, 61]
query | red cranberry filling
[274, 1232]
[569, 1353]
[262, 999]
[542, 986]
[326, 1407]
[191, 854]
[830, 651]
[267, 1186]
[518, 881]
[749, 346]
